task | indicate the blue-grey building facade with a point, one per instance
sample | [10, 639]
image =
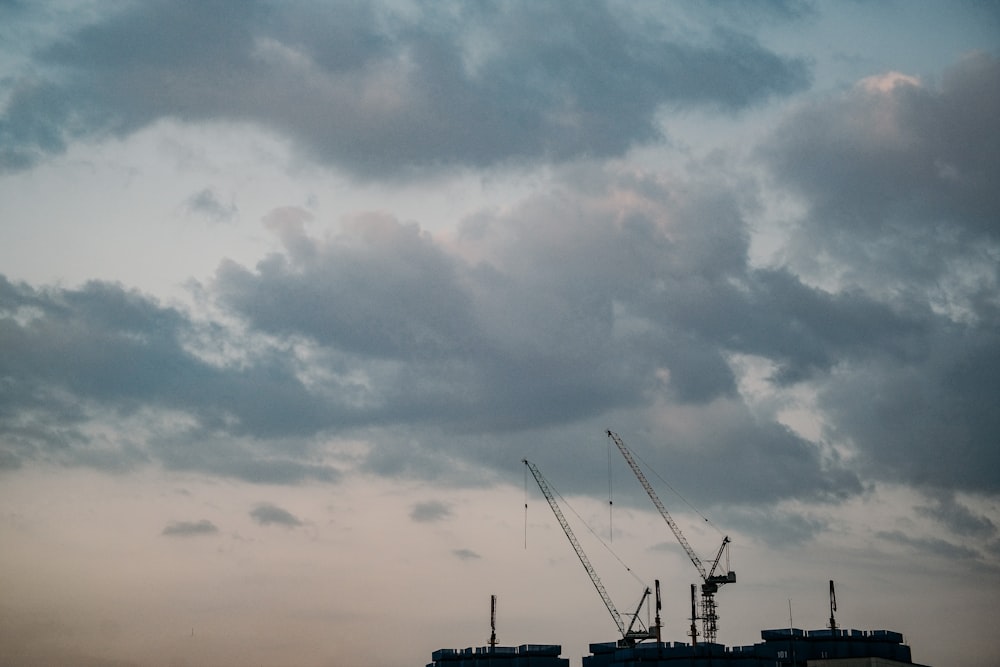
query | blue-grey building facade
[789, 647]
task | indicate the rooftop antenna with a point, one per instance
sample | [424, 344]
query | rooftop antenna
[493, 623]
[658, 607]
[833, 606]
[791, 630]
[694, 619]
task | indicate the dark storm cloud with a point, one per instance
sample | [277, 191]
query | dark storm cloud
[267, 514]
[190, 528]
[899, 180]
[431, 510]
[381, 92]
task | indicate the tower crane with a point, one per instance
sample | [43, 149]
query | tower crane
[710, 580]
[629, 635]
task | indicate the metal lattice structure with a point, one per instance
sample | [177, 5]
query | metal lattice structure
[629, 636]
[710, 580]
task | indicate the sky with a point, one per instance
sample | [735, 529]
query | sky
[289, 290]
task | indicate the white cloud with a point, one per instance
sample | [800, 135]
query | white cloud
[885, 83]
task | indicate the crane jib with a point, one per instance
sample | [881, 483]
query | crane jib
[711, 581]
[543, 485]
[659, 505]
[629, 636]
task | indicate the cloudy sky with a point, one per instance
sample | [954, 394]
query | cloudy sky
[288, 291]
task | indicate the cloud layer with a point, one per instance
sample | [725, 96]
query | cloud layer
[616, 290]
[617, 293]
[190, 528]
[288, 290]
[381, 91]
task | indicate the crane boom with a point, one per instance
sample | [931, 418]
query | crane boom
[711, 581]
[629, 632]
[718, 557]
[547, 492]
[659, 505]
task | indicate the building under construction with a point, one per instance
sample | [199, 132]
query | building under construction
[788, 647]
[642, 646]
[525, 655]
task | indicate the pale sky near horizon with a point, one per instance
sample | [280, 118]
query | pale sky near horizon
[289, 290]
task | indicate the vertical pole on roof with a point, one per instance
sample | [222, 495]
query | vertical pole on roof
[694, 619]
[493, 623]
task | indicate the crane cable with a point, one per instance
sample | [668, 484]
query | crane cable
[611, 504]
[676, 492]
[525, 508]
[594, 533]
[562, 500]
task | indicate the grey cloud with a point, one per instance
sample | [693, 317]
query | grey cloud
[429, 511]
[747, 460]
[391, 293]
[931, 545]
[190, 528]
[474, 347]
[900, 183]
[107, 343]
[267, 514]
[381, 93]
[206, 203]
[776, 528]
[9, 461]
[610, 294]
[465, 554]
[958, 517]
[102, 354]
[914, 150]
[901, 217]
[477, 344]
[808, 330]
[227, 455]
[929, 419]
[508, 356]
